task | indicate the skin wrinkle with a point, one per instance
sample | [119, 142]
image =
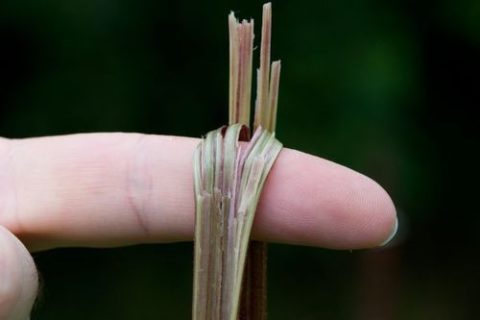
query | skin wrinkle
[139, 184]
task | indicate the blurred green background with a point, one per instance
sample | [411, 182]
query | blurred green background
[388, 88]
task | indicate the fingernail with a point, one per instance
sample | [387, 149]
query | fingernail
[392, 234]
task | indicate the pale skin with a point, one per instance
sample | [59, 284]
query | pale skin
[116, 189]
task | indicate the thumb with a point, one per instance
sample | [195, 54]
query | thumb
[18, 278]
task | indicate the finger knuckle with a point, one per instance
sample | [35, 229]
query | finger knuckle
[139, 183]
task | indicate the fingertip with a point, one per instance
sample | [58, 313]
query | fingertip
[312, 201]
[379, 216]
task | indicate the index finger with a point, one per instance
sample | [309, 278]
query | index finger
[114, 189]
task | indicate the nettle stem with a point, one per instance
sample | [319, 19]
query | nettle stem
[229, 283]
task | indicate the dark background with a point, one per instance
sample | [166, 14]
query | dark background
[388, 88]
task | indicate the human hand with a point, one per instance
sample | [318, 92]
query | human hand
[115, 189]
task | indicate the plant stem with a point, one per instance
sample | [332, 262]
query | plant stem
[228, 179]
